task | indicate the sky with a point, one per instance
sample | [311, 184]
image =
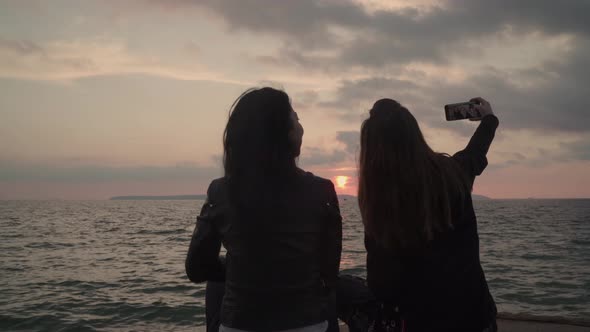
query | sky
[105, 98]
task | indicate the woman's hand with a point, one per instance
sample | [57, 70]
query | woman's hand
[483, 106]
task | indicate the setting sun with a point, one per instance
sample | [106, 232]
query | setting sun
[341, 181]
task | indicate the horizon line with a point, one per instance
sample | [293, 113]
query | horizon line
[146, 197]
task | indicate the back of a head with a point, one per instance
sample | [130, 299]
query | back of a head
[257, 151]
[404, 186]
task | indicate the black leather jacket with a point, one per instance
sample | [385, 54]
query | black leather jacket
[278, 272]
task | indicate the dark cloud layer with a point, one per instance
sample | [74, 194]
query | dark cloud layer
[314, 156]
[11, 172]
[395, 37]
[350, 139]
[555, 97]
[559, 101]
[579, 150]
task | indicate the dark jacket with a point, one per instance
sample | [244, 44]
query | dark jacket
[279, 269]
[442, 288]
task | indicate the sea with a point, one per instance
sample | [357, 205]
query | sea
[119, 265]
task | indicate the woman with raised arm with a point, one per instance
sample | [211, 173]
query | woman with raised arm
[420, 228]
[281, 227]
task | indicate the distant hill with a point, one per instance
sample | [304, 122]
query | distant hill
[158, 198]
[197, 197]
[351, 197]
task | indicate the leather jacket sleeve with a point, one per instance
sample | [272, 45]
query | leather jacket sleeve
[473, 158]
[332, 239]
[202, 261]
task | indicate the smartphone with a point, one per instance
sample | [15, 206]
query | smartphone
[462, 111]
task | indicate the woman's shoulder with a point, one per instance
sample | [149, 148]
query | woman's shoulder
[222, 181]
[217, 189]
[313, 180]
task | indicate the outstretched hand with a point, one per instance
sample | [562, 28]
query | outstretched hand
[483, 106]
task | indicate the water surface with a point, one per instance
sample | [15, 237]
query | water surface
[119, 265]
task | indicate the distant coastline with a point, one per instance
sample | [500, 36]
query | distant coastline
[201, 197]
[158, 198]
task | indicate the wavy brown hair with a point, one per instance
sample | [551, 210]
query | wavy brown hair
[405, 188]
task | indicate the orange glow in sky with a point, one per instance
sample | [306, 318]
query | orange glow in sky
[341, 181]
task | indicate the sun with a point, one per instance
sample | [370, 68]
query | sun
[341, 181]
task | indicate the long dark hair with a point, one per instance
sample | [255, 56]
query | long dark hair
[405, 188]
[258, 156]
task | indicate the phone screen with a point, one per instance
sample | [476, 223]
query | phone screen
[462, 111]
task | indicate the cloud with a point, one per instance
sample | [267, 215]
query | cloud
[74, 59]
[27, 180]
[316, 156]
[313, 156]
[539, 125]
[354, 97]
[305, 98]
[578, 149]
[21, 47]
[15, 173]
[373, 53]
[351, 139]
[304, 22]
[359, 37]
[556, 101]
[534, 148]
[391, 53]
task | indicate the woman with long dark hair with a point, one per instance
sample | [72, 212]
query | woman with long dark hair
[281, 226]
[420, 228]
